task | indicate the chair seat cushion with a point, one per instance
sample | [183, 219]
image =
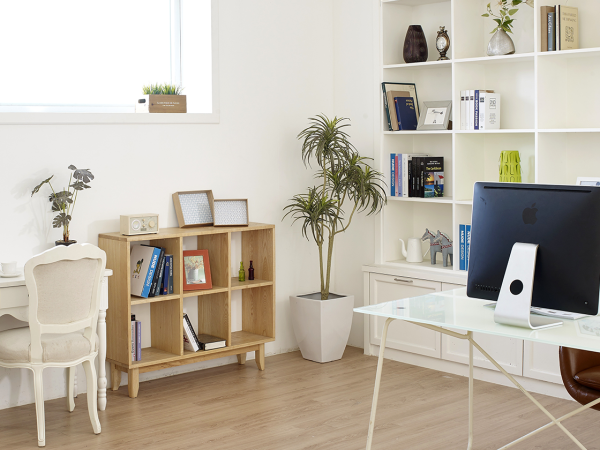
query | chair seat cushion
[589, 377]
[15, 346]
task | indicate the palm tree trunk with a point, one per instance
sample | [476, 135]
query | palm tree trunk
[325, 293]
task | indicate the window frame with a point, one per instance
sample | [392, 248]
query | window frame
[72, 118]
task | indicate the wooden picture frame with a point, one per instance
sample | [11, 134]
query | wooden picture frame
[194, 208]
[196, 270]
[231, 213]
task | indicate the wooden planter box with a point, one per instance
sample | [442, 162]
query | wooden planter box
[161, 104]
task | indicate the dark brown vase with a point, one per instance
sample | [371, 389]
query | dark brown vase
[415, 45]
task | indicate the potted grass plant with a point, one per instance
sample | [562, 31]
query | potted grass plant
[162, 98]
[63, 202]
[347, 185]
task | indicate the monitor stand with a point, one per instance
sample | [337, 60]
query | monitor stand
[514, 301]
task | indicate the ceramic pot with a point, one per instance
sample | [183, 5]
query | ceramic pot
[415, 45]
[322, 327]
[65, 243]
[500, 44]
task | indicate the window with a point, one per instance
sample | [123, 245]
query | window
[95, 56]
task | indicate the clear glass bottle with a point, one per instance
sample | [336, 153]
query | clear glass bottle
[242, 275]
[251, 271]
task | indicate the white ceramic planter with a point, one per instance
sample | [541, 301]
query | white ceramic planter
[322, 327]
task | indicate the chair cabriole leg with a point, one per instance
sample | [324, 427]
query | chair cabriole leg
[92, 394]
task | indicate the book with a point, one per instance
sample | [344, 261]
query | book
[462, 245]
[133, 339]
[144, 260]
[492, 111]
[476, 110]
[392, 174]
[482, 95]
[544, 26]
[190, 340]
[159, 267]
[406, 112]
[171, 275]
[463, 111]
[399, 174]
[208, 342]
[168, 273]
[471, 109]
[551, 31]
[567, 27]
[138, 340]
[393, 116]
[468, 245]
[433, 177]
[404, 169]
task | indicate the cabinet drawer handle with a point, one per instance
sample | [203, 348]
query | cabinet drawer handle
[403, 281]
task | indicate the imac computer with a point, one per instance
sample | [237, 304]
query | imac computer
[535, 248]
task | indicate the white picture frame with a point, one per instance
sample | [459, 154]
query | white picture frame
[588, 181]
[441, 108]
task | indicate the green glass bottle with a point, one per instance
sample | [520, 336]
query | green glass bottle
[242, 276]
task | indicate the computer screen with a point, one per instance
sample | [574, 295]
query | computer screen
[563, 220]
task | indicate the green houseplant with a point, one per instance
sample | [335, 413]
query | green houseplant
[502, 13]
[345, 179]
[63, 202]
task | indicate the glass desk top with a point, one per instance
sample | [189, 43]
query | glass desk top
[454, 310]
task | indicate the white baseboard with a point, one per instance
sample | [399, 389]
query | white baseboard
[491, 376]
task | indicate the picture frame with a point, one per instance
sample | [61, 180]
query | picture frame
[194, 208]
[588, 181]
[196, 270]
[435, 115]
[231, 213]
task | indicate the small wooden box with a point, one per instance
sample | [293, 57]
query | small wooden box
[161, 104]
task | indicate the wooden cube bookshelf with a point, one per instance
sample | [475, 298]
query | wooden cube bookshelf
[214, 305]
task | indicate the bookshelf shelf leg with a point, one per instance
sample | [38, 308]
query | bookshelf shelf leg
[115, 377]
[134, 382]
[241, 358]
[260, 357]
[102, 361]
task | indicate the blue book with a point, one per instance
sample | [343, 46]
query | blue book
[463, 241]
[551, 32]
[393, 174]
[476, 118]
[406, 112]
[164, 285]
[468, 246]
[150, 274]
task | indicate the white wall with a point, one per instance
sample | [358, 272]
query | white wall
[277, 68]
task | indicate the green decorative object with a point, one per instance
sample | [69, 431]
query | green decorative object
[510, 166]
[242, 275]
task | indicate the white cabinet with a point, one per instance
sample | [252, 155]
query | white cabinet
[508, 352]
[540, 361]
[401, 335]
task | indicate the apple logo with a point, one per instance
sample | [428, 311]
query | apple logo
[529, 217]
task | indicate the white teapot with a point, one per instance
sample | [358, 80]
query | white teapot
[413, 255]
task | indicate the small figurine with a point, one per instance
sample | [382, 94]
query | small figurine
[434, 248]
[447, 250]
[242, 274]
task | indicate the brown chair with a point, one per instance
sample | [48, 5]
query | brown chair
[580, 371]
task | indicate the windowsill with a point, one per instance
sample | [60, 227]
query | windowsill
[105, 118]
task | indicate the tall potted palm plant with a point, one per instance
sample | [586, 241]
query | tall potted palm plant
[346, 182]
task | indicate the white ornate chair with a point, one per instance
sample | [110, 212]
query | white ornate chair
[64, 293]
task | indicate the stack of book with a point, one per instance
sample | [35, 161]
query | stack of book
[194, 343]
[416, 175]
[136, 339]
[151, 271]
[401, 106]
[559, 27]
[464, 232]
[479, 110]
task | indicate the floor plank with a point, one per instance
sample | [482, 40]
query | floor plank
[297, 404]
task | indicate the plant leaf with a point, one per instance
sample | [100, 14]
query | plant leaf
[83, 175]
[485, 15]
[79, 186]
[37, 188]
[512, 12]
[61, 220]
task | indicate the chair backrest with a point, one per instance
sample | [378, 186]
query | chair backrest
[64, 285]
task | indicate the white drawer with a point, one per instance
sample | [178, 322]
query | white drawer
[14, 296]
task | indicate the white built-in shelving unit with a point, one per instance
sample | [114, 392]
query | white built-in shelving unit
[549, 110]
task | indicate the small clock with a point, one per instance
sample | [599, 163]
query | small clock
[139, 224]
[442, 43]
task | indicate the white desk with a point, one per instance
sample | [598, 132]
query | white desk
[14, 300]
[453, 309]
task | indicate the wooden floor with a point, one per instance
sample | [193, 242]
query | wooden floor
[298, 404]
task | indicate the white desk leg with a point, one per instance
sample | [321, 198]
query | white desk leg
[377, 381]
[470, 337]
[102, 360]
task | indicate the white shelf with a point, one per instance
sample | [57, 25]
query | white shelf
[413, 2]
[517, 130]
[419, 132]
[463, 202]
[579, 53]
[517, 57]
[420, 200]
[425, 265]
[422, 65]
[570, 130]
